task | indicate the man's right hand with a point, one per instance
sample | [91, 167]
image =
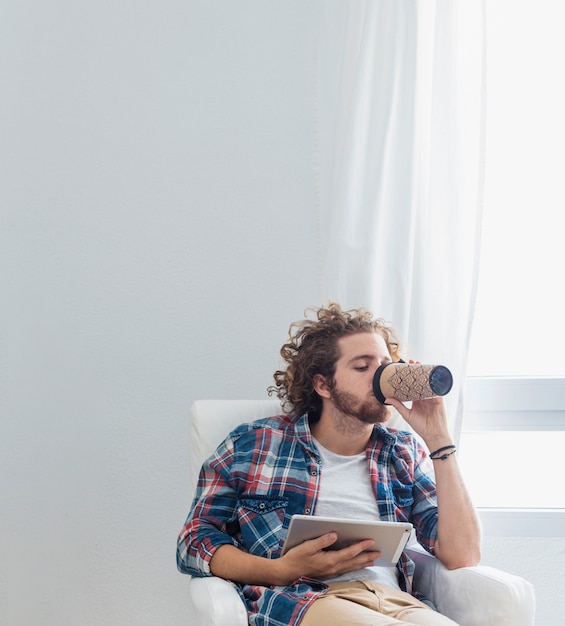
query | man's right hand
[313, 560]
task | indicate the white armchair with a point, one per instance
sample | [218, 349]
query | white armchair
[471, 596]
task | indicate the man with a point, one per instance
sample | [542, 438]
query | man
[330, 455]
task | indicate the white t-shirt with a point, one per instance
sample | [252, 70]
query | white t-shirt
[346, 491]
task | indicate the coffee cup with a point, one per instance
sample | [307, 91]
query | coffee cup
[411, 381]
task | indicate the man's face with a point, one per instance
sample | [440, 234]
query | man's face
[352, 393]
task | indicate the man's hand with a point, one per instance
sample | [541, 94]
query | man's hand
[311, 559]
[428, 418]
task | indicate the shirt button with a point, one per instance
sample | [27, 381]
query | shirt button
[307, 511]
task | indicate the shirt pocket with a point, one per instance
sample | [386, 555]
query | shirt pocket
[261, 522]
[403, 499]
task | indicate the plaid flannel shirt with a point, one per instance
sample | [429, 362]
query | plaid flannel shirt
[267, 471]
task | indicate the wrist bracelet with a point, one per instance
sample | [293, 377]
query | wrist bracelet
[434, 455]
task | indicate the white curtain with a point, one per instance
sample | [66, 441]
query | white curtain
[399, 118]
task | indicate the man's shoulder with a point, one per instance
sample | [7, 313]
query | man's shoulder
[276, 424]
[399, 437]
[402, 435]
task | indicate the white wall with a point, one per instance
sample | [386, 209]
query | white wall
[157, 236]
[158, 232]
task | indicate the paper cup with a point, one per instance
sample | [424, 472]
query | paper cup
[411, 381]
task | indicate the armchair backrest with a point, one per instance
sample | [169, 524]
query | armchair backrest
[471, 596]
[210, 421]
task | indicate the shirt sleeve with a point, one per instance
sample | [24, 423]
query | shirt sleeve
[424, 511]
[213, 508]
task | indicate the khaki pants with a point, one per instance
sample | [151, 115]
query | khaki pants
[366, 603]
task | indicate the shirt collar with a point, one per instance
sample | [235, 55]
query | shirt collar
[302, 430]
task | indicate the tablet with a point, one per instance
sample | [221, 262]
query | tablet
[389, 538]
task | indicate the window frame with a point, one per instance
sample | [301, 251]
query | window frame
[516, 403]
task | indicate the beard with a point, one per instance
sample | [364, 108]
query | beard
[369, 411]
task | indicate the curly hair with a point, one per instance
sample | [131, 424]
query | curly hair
[313, 349]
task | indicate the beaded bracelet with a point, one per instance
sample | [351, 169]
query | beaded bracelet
[433, 456]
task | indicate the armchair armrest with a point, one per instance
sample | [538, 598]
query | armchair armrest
[215, 602]
[471, 596]
[474, 596]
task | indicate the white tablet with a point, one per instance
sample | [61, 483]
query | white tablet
[389, 538]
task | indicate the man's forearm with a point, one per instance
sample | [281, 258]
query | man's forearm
[459, 533]
[233, 564]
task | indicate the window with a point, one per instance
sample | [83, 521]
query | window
[514, 431]
[519, 327]
[514, 428]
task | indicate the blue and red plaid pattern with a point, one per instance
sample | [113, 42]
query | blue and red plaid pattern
[267, 471]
